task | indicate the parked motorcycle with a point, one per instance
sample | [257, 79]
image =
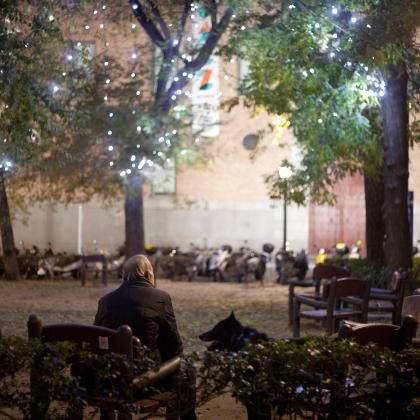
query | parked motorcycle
[219, 261]
[172, 263]
[289, 266]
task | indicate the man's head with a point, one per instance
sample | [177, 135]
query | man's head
[136, 267]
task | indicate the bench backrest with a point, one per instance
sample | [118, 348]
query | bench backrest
[327, 271]
[384, 335]
[99, 340]
[411, 306]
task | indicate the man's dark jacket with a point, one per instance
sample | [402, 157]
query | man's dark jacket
[149, 313]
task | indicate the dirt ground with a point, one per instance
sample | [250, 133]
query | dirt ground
[198, 306]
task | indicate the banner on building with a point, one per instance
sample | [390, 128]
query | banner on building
[205, 84]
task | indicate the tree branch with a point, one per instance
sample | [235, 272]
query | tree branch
[163, 103]
[212, 40]
[158, 17]
[147, 24]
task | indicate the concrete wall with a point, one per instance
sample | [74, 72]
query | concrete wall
[414, 185]
[206, 223]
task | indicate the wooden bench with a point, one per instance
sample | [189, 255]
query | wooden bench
[100, 340]
[88, 259]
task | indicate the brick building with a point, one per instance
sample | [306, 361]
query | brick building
[224, 202]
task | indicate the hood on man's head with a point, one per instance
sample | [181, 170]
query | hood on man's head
[138, 267]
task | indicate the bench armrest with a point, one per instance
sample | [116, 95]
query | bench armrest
[311, 301]
[166, 369]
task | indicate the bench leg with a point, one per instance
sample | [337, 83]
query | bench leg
[290, 302]
[296, 318]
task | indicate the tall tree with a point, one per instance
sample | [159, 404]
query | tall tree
[152, 124]
[310, 60]
[28, 111]
[43, 143]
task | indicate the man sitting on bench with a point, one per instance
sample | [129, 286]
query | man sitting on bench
[148, 311]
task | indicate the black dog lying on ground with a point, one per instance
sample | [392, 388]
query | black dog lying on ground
[230, 335]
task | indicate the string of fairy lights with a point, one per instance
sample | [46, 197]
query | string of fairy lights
[138, 161]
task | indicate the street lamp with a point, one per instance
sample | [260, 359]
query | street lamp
[285, 173]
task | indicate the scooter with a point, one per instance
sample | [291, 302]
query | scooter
[289, 266]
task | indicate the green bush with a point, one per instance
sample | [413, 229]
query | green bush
[319, 378]
[55, 393]
[378, 273]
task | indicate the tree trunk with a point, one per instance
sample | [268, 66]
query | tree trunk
[375, 226]
[394, 112]
[134, 222]
[11, 267]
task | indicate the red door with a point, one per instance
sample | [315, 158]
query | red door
[343, 222]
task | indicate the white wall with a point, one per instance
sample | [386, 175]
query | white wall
[206, 223]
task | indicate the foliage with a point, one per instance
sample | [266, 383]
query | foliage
[379, 274]
[321, 377]
[50, 364]
[44, 143]
[310, 63]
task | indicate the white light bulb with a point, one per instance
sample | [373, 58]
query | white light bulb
[173, 97]
[175, 42]
[110, 148]
[312, 71]
[108, 81]
[106, 64]
[138, 128]
[368, 26]
[109, 132]
[51, 18]
[133, 26]
[111, 114]
[353, 19]
[138, 93]
[133, 158]
[104, 7]
[111, 163]
[122, 173]
[87, 27]
[135, 6]
[105, 98]
[101, 26]
[55, 88]
[174, 132]
[292, 6]
[334, 10]
[69, 57]
[133, 74]
[133, 55]
[176, 79]
[319, 120]
[95, 12]
[243, 28]
[332, 54]
[128, 171]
